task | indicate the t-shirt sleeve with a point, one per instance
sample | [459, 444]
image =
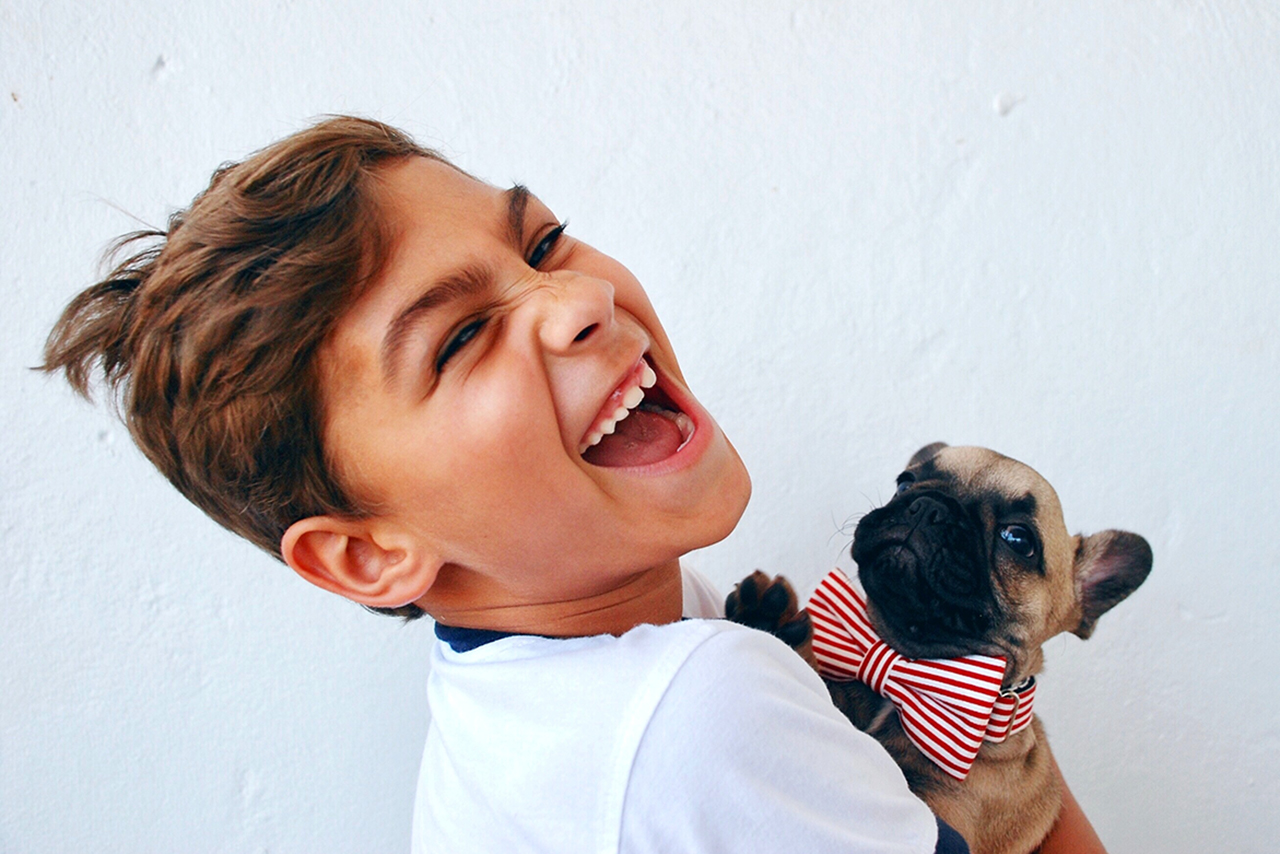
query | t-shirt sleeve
[745, 752]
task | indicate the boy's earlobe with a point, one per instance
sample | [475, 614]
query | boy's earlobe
[354, 559]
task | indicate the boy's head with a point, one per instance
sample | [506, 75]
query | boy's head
[386, 372]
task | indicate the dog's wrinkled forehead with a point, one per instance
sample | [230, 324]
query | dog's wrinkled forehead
[971, 473]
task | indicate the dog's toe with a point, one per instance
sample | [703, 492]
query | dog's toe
[770, 605]
[797, 632]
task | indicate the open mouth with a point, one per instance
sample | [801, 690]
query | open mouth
[639, 425]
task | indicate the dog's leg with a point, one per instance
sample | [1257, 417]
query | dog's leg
[770, 605]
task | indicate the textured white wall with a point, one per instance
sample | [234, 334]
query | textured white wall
[1046, 228]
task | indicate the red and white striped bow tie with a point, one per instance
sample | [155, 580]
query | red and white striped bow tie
[948, 706]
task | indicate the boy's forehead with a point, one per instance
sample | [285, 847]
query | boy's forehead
[431, 194]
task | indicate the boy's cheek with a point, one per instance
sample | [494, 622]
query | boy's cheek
[635, 302]
[629, 294]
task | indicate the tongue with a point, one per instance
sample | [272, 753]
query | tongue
[641, 438]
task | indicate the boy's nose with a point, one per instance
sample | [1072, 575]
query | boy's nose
[574, 309]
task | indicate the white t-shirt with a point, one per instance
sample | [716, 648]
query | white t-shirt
[699, 736]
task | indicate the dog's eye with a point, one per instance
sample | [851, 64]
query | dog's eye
[904, 481]
[1019, 539]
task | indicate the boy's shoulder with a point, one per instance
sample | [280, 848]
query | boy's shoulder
[748, 718]
[600, 736]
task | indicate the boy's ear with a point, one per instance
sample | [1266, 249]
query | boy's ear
[360, 559]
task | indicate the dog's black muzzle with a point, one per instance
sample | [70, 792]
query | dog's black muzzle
[923, 565]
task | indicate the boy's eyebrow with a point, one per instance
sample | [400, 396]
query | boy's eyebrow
[467, 282]
[470, 280]
[517, 201]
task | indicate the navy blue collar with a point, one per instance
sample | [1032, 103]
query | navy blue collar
[462, 639]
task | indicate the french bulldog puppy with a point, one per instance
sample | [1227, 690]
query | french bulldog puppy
[971, 557]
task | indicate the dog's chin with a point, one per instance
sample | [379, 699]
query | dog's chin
[930, 638]
[915, 618]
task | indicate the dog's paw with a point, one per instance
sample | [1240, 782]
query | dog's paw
[770, 604]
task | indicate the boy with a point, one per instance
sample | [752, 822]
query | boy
[422, 394]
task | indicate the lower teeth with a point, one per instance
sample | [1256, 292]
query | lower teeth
[685, 423]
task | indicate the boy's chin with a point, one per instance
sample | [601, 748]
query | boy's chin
[723, 506]
[695, 524]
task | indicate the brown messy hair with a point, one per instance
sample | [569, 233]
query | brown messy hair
[207, 333]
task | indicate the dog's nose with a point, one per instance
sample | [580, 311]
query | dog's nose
[927, 511]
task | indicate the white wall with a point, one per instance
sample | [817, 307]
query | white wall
[1046, 228]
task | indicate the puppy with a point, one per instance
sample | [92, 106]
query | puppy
[970, 560]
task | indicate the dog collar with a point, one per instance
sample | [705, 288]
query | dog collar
[948, 706]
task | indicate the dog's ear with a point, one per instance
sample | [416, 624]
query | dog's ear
[928, 452]
[1109, 566]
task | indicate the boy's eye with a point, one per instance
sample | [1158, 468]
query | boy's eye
[458, 341]
[545, 245]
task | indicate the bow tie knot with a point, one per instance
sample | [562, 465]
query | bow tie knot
[947, 707]
[878, 666]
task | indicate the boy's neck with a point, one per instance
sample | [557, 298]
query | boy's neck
[655, 595]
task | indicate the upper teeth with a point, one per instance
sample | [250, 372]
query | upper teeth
[647, 376]
[630, 400]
